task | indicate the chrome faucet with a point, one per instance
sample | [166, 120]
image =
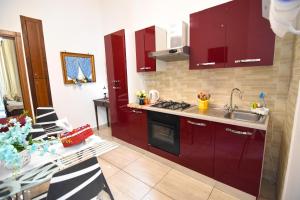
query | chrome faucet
[231, 108]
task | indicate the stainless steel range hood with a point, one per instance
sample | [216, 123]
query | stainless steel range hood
[176, 43]
[169, 55]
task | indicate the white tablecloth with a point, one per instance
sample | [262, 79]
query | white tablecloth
[60, 152]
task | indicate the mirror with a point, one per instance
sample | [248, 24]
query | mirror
[11, 98]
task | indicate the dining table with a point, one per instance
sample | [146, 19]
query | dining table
[15, 183]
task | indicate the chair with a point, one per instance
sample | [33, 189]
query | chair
[81, 182]
[46, 118]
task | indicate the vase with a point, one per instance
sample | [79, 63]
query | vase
[142, 101]
[203, 105]
[25, 159]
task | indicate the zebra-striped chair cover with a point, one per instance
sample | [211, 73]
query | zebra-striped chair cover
[46, 117]
[81, 182]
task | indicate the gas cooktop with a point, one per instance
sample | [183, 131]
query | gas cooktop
[172, 105]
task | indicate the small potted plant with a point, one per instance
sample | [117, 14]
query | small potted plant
[16, 144]
[141, 95]
[203, 98]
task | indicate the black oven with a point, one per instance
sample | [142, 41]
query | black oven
[163, 132]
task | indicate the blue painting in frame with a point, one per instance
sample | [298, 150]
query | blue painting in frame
[78, 68]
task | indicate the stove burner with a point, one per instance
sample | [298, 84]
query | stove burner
[172, 105]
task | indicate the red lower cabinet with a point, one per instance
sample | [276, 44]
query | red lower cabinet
[238, 157]
[197, 145]
[137, 128]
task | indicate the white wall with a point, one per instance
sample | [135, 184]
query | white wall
[133, 15]
[68, 25]
[79, 26]
[292, 178]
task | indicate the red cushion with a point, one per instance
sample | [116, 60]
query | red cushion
[6, 120]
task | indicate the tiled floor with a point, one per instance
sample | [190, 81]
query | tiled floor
[132, 174]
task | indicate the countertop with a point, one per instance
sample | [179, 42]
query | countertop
[211, 114]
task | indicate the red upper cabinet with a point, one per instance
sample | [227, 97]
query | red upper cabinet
[249, 37]
[145, 43]
[208, 38]
[238, 157]
[197, 145]
[233, 34]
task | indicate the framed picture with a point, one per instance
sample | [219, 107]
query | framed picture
[78, 68]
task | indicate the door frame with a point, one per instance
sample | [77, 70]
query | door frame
[16, 36]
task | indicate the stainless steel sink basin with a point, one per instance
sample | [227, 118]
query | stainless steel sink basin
[245, 116]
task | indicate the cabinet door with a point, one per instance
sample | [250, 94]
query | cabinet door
[208, 38]
[145, 43]
[238, 157]
[150, 63]
[138, 128]
[140, 50]
[197, 145]
[117, 83]
[249, 36]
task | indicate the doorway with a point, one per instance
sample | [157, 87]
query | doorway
[14, 91]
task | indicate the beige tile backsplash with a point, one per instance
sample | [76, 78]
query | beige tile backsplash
[175, 81]
[290, 111]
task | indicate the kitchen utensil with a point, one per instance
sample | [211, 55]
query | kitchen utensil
[153, 96]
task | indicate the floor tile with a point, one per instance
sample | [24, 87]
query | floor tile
[121, 156]
[107, 168]
[147, 170]
[219, 195]
[156, 195]
[233, 191]
[125, 186]
[204, 179]
[180, 186]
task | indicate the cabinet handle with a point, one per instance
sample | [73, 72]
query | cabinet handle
[248, 60]
[145, 68]
[137, 112]
[206, 64]
[238, 132]
[195, 123]
[116, 88]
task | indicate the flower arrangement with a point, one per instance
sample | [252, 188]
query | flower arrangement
[141, 95]
[203, 98]
[15, 139]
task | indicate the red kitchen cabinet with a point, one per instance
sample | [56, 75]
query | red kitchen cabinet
[138, 129]
[208, 38]
[145, 43]
[197, 145]
[249, 37]
[233, 34]
[117, 83]
[238, 157]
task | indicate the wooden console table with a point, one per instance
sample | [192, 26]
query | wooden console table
[102, 103]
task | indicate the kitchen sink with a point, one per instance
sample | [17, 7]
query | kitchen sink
[245, 116]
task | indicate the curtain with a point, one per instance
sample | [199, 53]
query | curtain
[72, 68]
[86, 67]
[9, 75]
